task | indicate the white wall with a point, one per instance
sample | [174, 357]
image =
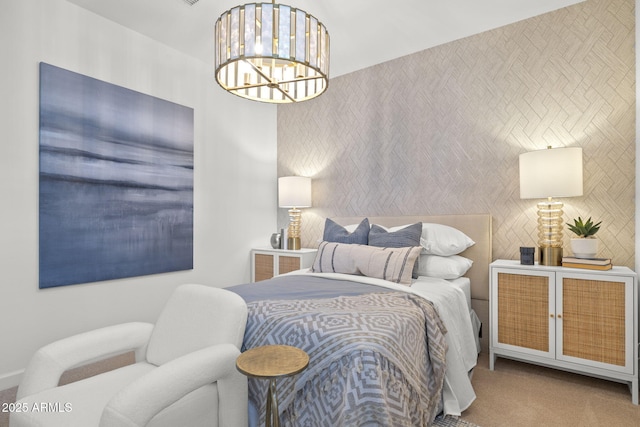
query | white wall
[235, 173]
[637, 141]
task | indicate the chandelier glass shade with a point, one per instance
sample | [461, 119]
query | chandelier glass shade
[272, 53]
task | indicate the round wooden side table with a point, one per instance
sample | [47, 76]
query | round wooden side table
[272, 362]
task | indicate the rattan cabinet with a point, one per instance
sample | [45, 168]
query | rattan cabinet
[266, 263]
[579, 320]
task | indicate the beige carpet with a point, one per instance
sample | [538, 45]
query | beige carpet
[520, 394]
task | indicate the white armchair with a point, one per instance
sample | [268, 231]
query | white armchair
[184, 374]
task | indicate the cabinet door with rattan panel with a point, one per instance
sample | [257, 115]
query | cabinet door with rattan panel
[593, 316]
[287, 264]
[263, 269]
[524, 311]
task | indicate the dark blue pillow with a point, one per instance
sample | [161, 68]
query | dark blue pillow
[334, 232]
[405, 237]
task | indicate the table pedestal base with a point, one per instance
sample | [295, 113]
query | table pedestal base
[273, 420]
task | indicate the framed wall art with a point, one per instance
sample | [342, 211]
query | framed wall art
[115, 183]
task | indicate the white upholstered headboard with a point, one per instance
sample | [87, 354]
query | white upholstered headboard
[476, 226]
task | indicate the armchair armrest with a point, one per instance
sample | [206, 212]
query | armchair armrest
[50, 362]
[139, 402]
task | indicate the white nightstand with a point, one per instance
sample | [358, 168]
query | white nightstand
[267, 262]
[578, 320]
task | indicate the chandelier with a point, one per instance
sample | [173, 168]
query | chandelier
[271, 53]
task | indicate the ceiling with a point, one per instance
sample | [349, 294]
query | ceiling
[363, 32]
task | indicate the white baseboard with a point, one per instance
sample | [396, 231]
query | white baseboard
[10, 379]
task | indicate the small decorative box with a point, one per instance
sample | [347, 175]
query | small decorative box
[527, 255]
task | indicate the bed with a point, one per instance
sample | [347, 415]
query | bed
[381, 353]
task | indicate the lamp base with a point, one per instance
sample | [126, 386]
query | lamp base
[293, 232]
[550, 256]
[293, 243]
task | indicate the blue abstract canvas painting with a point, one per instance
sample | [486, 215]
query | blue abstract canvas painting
[116, 181]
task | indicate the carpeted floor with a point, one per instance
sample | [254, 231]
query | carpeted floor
[525, 395]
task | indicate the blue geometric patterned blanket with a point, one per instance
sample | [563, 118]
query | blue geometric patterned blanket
[375, 359]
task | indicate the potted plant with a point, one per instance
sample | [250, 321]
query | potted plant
[585, 245]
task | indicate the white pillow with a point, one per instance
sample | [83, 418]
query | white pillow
[438, 239]
[444, 267]
[351, 227]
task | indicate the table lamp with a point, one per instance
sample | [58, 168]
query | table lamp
[294, 192]
[554, 172]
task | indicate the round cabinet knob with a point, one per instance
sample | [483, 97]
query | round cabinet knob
[551, 315]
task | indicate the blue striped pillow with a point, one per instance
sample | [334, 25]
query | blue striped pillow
[392, 264]
[405, 237]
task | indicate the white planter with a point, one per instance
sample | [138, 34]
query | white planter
[584, 248]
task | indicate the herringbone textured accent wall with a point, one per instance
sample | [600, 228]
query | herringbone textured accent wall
[440, 131]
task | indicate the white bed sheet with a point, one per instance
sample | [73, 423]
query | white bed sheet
[452, 306]
[463, 283]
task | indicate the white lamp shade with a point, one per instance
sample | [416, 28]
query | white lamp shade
[294, 192]
[553, 172]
